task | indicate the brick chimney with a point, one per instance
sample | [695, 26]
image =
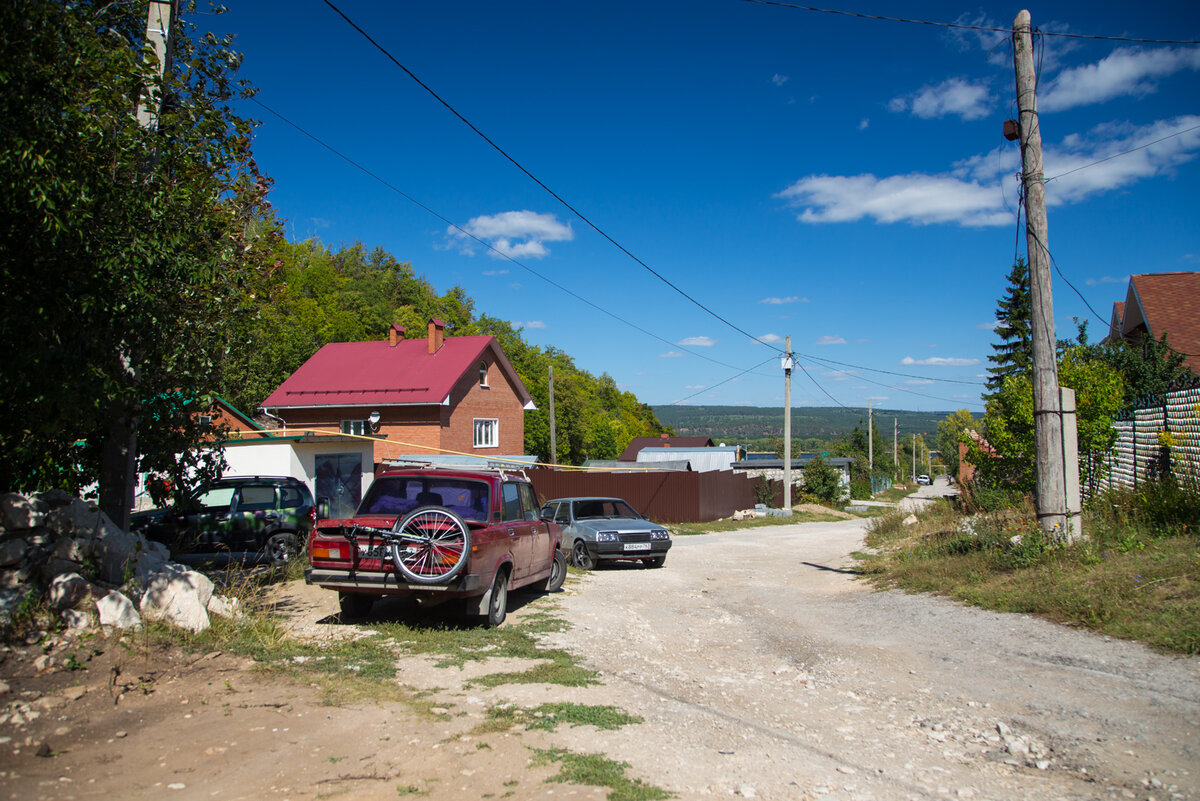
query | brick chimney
[395, 334]
[436, 334]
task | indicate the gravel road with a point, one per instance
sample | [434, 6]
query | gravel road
[764, 668]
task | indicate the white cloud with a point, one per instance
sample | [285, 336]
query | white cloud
[1126, 71]
[695, 386]
[697, 342]
[988, 326]
[839, 375]
[950, 97]
[1107, 279]
[972, 193]
[830, 340]
[320, 222]
[940, 361]
[535, 324]
[918, 381]
[495, 272]
[516, 234]
[915, 198]
[864, 124]
[782, 301]
[779, 80]
[770, 339]
[671, 354]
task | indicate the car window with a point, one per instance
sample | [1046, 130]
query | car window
[256, 498]
[291, 497]
[216, 498]
[529, 500]
[563, 516]
[511, 499]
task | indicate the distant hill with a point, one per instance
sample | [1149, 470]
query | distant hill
[750, 424]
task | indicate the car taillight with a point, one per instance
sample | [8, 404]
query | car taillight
[312, 515]
[330, 549]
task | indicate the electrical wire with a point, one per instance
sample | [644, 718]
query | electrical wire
[1124, 153]
[963, 26]
[540, 183]
[483, 243]
[726, 381]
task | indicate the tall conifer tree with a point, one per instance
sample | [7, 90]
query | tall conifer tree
[1014, 312]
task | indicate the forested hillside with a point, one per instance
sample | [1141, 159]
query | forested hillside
[314, 295]
[813, 427]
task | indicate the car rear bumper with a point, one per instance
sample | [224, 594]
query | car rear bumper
[387, 584]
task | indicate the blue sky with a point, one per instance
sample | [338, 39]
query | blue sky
[839, 180]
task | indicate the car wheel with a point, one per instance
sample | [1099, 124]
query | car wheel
[281, 548]
[558, 572]
[583, 558]
[498, 603]
[354, 605]
[655, 561]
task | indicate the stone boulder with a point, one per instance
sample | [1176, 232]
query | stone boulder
[18, 512]
[117, 610]
[68, 590]
[179, 596]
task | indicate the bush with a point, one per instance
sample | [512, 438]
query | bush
[822, 481]
[860, 489]
[979, 497]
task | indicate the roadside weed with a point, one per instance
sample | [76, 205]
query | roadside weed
[548, 716]
[597, 770]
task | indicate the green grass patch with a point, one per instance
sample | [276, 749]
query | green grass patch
[892, 495]
[597, 770]
[549, 716]
[693, 529]
[1128, 577]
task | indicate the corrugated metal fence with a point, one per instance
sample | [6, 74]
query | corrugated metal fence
[666, 497]
[1161, 432]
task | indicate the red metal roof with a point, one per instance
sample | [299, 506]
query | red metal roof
[380, 374]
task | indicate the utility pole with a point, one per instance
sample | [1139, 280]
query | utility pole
[895, 446]
[553, 439]
[118, 451]
[1047, 403]
[871, 441]
[787, 363]
[914, 457]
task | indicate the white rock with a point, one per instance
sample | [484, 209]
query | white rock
[910, 520]
[224, 607]
[117, 610]
[68, 590]
[76, 620]
[180, 596]
[18, 512]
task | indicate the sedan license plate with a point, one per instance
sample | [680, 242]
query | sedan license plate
[637, 546]
[373, 551]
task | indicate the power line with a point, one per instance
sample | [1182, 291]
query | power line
[1124, 152]
[481, 242]
[887, 372]
[964, 26]
[539, 182]
[726, 381]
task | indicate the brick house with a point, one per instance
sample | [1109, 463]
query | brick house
[1157, 304]
[415, 396]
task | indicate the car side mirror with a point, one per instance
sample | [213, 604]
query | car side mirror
[323, 508]
[547, 516]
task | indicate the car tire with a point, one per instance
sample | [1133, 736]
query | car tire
[582, 556]
[655, 561]
[354, 605]
[498, 600]
[558, 572]
[281, 548]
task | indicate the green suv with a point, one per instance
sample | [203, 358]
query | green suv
[248, 518]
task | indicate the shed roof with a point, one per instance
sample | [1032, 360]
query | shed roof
[637, 443]
[382, 374]
[1165, 303]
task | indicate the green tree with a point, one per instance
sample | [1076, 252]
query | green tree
[1008, 422]
[1149, 366]
[950, 433]
[822, 481]
[1014, 352]
[124, 250]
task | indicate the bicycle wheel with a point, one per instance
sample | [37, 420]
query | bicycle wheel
[433, 546]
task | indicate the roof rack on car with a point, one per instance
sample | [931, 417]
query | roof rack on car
[504, 469]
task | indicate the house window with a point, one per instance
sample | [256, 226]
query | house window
[483, 370]
[487, 433]
[359, 427]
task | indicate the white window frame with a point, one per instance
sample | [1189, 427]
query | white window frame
[360, 428]
[485, 432]
[483, 375]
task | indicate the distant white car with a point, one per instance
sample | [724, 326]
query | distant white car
[924, 480]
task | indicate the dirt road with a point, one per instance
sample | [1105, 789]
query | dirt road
[761, 667]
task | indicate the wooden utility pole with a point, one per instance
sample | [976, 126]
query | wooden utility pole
[787, 364]
[118, 451]
[1047, 403]
[914, 457]
[553, 439]
[896, 446]
[871, 443]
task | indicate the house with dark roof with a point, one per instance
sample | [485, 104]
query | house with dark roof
[435, 395]
[1157, 304]
[630, 454]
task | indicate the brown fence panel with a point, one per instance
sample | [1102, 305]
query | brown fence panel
[666, 497]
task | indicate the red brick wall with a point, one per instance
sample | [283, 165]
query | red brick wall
[499, 400]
